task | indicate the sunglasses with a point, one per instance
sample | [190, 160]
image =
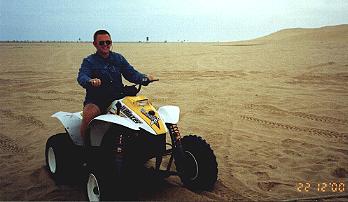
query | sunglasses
[102, 43]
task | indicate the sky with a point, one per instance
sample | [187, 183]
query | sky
[163, 20]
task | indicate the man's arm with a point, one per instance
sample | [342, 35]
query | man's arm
[85, 74]
[130, 73]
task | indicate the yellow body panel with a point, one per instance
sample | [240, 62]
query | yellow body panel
[142, 106]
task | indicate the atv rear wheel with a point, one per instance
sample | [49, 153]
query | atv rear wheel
[61, 158]
[198, 167]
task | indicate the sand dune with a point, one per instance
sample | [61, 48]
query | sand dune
[274, 109]
[324, 34]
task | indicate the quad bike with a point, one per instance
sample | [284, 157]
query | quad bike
[131, 133]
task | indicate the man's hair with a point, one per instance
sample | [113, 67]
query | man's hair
[100, 32]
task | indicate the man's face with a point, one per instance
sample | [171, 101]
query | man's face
[101, 44]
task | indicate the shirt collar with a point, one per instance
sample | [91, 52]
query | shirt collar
[100, 57]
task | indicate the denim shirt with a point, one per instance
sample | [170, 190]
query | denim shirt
[110, 71]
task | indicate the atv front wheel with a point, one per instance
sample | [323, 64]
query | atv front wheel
[61, 160]
[104, 183]
[93, 190]
[198, 167]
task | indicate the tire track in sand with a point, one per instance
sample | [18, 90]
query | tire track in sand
[59, 99]
[312, 131]
[312, 117]
[23, 118]
[7, 145]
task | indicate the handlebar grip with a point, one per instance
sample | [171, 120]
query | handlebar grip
[146, 81]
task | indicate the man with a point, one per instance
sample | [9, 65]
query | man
[101, 75]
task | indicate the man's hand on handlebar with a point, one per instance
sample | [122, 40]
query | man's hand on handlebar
[152, 78]
[148, 79]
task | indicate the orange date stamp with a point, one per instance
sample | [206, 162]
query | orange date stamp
[330, 187]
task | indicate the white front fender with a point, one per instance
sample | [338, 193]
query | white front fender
[101, 124]
[169, 114]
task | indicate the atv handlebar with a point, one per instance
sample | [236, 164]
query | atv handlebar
[147, 83]
[129, 90]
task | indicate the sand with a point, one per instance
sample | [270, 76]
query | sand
[274, 110]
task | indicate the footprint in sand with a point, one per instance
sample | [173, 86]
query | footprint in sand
[291, 152]
[262, 175]
[340, 173]
[267, 185]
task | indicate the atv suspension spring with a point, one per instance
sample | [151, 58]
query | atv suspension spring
[174, 131]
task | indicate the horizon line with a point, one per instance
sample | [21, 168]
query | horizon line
[68, 41]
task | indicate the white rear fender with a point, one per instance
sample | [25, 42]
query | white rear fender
[71, 123]
[169, 114]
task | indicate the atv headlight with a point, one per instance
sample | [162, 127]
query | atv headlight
[143, 102]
